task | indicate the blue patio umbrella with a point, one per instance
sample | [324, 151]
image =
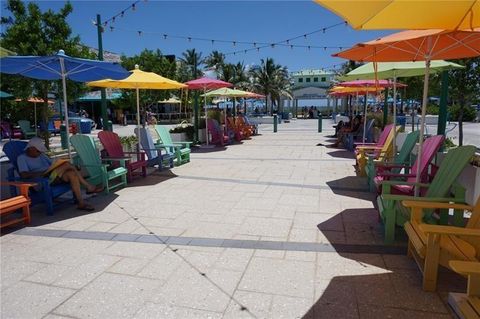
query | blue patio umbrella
[62, 67]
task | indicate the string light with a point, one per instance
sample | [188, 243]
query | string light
[259, 45]
[121, 14]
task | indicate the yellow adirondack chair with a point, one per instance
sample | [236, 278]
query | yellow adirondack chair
[434, 245]
[364, 152]
[467, 306]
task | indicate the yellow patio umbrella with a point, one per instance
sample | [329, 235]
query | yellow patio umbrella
[407, 14]
[140, 80]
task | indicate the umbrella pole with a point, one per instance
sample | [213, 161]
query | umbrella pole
[206, 115]
[65, 108]
[35, 113]
[422, 123]
[394, 145]
[138, 116]
[364, 117]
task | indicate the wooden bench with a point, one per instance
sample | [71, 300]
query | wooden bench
[13, 204]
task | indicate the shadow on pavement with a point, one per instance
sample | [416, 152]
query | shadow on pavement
[386, 284]
[208, 150]
[352, 186]
[341, 153]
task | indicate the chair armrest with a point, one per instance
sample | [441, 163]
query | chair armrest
[404, 183]
[449, 230]
[22, 186]
[465, 267]
[116, 158]
[387, 165]
[168, 145]
[386, 174]
[429, 204]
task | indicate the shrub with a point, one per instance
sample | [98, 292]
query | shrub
[469, 113]
[433, 109]
[186, 128]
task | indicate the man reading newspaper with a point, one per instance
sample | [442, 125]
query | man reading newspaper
[34, 163]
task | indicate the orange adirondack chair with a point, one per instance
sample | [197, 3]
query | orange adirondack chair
[11, 205]
[113, 148]
[239, 135]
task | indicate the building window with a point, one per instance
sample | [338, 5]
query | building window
[315, 79]
[300, 80]
[307, 79]
[324, 79]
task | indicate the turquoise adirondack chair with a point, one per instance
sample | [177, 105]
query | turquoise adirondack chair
[27, 129]
[181, 150]
[443, 188]
[154, 153]
[402, 158]
[89, 157]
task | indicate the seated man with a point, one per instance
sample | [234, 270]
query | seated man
[34, 163]
[354, 128]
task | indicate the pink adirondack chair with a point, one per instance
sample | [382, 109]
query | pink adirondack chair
[430, 147]
[381, 139]
[218, 137]
[113, 147]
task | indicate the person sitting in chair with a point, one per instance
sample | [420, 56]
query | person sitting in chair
[34, 163]
[354, 128]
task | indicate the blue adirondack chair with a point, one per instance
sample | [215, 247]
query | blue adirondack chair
[154, 152]
[47, 193]
[350, 138]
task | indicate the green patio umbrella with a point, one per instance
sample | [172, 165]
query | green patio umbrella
[387, 70]
[227, 92]
[5, 52]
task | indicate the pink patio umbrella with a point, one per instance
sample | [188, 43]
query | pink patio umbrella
[205, 84]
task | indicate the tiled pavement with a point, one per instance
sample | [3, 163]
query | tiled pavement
[275, 227]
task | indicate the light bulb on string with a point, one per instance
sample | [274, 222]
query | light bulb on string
[189, 39]
[111, 29]
[139, 33]
[305, 36]
[113, 20]
[133, 7]
[122, 14]
[272, 45]
[213, 42]
[234, 43]
[254, 44]
[323, 30]
[164, 37]
[291, 47]
[288, 41]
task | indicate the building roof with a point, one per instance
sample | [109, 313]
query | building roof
[311, 72]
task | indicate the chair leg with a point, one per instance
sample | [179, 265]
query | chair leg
[49, 203]
[26, 214]
[430, 269]
[144, 171]
[389, 217]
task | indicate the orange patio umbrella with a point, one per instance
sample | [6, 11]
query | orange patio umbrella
[418, 45]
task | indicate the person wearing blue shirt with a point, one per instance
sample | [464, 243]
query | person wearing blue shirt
[34, 163]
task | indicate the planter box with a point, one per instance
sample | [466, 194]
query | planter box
[178, 137]
[469, 179]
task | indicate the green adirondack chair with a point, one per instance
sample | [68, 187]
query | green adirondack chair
[89, 157]
[180, 150]
[27, 129]
[443, 188]
[402, 158]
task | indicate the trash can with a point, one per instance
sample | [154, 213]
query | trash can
[85, 127]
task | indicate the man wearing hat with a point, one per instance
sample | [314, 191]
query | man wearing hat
[34, 163]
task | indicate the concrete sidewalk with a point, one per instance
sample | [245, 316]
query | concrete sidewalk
[275, 227]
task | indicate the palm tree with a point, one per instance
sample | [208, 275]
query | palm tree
[271, 80]
[193, 60]
[216, 60]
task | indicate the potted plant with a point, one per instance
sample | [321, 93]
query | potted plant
[129, 143]
[182, 132]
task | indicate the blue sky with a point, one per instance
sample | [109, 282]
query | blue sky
[257, 21]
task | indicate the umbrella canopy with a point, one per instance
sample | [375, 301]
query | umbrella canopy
[386, 70]
[5, 95]
[417, 46]
[5, 52]
[256, 95]
[171, 100]
[205, 84]
[354, 90]
[370, 83]
[62, 66]
[140, 80]
[419, 14]
[227, 92]
[35, 100]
